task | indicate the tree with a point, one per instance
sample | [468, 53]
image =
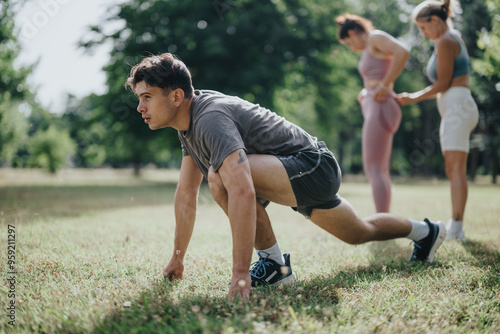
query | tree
[50, 148]
[241, 47]
[82, 120]
[486, 74]
[13, 124]
[282, 54]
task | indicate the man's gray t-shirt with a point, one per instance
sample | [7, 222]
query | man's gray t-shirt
[221, 124]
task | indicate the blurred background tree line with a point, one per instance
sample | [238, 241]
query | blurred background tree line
[282, 54]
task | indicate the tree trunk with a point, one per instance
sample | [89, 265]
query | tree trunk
[494, 162]
[474, 157]
[493, 140]
[427, 146]
[137, 169]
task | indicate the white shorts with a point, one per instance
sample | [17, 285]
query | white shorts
[459, 116]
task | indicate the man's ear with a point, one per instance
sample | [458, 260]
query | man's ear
[178, 96]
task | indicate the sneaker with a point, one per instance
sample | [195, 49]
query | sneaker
[426, 248]
[454, 233]
[268, 272]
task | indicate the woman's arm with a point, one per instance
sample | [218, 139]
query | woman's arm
[446, 50]
[381, 43]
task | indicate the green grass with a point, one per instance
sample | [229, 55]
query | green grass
[91, 243]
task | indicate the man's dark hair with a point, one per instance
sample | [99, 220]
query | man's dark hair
[165, 71]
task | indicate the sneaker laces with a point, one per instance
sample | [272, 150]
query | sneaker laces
[259, 267]
[417, 248]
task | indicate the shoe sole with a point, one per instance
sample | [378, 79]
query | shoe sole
[285, 281]
[439, 240]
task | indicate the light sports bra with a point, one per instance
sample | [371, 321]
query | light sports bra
[460, 63]
[372, 68]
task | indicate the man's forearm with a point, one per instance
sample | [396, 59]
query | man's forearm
[242, 216]
[185, 215]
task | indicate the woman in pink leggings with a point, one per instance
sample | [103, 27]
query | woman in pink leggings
[382, 61]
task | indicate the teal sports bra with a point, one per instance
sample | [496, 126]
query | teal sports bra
[460, 63]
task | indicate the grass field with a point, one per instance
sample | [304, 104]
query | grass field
[90, 247]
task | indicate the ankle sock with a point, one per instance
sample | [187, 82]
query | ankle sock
[455, 226]
[419, 230]
[274, 254]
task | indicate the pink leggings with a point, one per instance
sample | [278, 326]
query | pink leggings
[381, 121]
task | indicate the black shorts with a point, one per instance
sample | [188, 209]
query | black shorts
[315, 177]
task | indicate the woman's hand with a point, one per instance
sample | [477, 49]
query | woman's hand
[361, 95]
[405, 99]
[381, 93]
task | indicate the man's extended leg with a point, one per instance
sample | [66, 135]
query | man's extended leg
[271, 182]
[343, 222]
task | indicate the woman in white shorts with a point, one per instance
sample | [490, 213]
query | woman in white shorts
[448, 69]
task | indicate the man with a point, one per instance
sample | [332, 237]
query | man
[251, 156]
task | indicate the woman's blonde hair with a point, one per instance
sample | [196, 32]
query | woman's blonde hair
[441, 9]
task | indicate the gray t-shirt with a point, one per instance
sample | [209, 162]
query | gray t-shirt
[221, 124]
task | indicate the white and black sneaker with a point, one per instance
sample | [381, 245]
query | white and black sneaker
[268, 272]
[425, 249]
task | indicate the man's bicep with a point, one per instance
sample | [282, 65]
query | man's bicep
[235, 169]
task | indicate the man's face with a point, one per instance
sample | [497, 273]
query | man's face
[157, 108]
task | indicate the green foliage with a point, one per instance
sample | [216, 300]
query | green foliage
[12, 81]
[13, 131]
[50, 148]
[82, 120]
[28, 132]
[282, 54]
[486, 78]
[13, 125]
[489, 43]
[240, 47]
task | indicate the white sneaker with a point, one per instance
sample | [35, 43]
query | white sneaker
[425, 249]
[454, 233]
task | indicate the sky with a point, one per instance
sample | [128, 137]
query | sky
[49, 31]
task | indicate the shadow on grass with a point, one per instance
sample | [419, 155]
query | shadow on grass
[386, 251]
[159, 310]
[488, 258]
[485, 254]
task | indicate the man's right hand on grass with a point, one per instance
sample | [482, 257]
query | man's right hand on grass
[174, 269]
